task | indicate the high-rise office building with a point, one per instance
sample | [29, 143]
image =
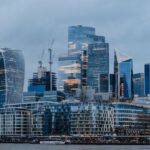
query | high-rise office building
[112, 85]
[12, 68]
[147, 79]
[123, 71]
[87, 63]
[69, 74]
[80, 36]
[138, 82]
[98, 67]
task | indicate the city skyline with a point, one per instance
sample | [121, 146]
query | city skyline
[75, 72]
[32, 31]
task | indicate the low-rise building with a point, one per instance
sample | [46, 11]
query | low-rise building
[131, 120]
[58, 118]
[14, 122]
[91, 119]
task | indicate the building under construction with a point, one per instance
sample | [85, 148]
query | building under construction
[41, 81]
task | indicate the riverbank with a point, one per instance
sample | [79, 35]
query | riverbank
[78, 141]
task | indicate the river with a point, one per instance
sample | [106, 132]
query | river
[70, 147]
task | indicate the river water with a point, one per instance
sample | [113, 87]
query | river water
[69, 147]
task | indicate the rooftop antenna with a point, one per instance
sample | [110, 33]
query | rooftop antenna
[50, 62]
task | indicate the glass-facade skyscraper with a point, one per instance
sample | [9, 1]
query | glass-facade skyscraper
[80, 36]
[112, 85]
[12, 68]
[147, 79]
[69, 74]
[123, 71]
[138, 80]
[87, 62]
[98, 67]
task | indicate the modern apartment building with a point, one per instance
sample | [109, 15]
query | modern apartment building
[15, 122]
[91, 119]
[131, 120]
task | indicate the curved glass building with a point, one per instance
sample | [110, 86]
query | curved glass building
[12, 68]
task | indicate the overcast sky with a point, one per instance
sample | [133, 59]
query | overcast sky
[30, 25]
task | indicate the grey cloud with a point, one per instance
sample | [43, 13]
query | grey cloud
[31, 24]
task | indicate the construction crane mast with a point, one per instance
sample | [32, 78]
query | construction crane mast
[41, 57]
[50, 63]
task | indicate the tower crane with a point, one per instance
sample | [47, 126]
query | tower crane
[50, 62]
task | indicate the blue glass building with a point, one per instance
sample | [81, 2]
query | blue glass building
[112, 85]
[147, 79]
[69, 74]
[123, 71]
[87, 62]
[12, 68]
[80, 36]
[98, 67]
[138, 80]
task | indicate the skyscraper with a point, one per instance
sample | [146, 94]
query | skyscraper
[138, 80]
[147, 79]
[98, 67]
[123, 71]
[80, 36]
[87, 62]
[69, 74]
[112, 85]
[12, 68]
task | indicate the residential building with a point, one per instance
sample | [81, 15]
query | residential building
[53, 118]
[46, 118]
[91, 119]
[12, 68]
[14, 122]
[40, 116]
[131, 120]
